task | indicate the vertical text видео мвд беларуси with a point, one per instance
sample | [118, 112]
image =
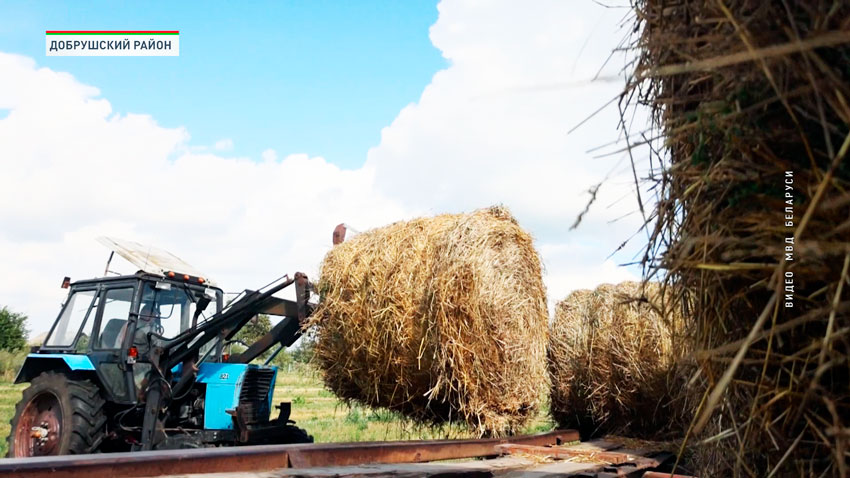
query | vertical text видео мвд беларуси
[789, 239]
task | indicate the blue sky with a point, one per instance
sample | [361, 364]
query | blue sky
[313, 77]
[329, 79]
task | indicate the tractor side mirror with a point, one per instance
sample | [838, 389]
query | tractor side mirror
[66, 282]
[200, 306]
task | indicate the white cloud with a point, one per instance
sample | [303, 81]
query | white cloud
[225, 144]
[269, 155]
[492, 128]
[72, 169]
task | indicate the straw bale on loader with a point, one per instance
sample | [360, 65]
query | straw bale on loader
[441, 318]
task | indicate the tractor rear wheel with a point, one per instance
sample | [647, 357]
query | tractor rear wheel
[57, 415]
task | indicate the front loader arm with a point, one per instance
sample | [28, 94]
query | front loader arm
[231, 320]
[285, 333]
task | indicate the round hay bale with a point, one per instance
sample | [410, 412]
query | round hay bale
[750, 107]
[440, 318]
[612, 356]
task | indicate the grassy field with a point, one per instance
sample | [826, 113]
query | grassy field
[316, 410]
[9, 396]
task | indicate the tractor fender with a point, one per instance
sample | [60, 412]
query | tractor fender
[35, 364]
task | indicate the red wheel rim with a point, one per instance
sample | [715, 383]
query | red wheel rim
[39, 427]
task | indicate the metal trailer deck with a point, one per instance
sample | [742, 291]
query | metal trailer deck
[551, 454]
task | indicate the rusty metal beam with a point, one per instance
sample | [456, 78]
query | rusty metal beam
[147, 463]
[265, 457]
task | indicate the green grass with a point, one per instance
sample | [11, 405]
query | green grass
[9, 395]
[329, 420]
[318, 411]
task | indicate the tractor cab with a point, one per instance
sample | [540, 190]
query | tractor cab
[106, 323]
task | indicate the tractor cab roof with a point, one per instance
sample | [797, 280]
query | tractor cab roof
[176, 278]
[98, 280]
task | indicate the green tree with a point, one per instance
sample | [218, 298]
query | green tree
[282, 359]
[251, 332]
[13, 331]
[254, 329]
[304, 352]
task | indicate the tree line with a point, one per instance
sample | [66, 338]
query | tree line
[13, 330]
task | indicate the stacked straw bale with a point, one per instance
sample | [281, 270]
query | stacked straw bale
[751, 100]
[441, 319]
[612, 362]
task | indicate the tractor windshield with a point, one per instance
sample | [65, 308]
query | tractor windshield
[74, 314]
[168, 311]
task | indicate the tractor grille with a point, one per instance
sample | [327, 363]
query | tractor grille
[254, 396]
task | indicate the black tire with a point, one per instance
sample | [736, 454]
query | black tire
[297, 435]
[75, 407]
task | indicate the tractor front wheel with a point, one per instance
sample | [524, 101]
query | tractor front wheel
[57, 416]
[296, 435]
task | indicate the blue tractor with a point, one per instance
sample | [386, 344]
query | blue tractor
[139, 362]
